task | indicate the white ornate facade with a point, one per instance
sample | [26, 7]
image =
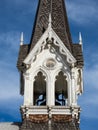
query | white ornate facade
[46, 59]
[51, 69]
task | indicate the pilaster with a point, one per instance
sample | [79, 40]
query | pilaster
[69, 93]
[50, 92]
[73, 87]
[27, 98]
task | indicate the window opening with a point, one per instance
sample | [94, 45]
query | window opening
[40, 90]
[61, 92]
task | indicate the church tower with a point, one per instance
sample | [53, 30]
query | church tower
[51, 71]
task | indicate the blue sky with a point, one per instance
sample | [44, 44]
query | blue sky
[17, 16]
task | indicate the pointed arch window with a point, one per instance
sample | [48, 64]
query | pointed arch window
[40, 90]
[61, 90]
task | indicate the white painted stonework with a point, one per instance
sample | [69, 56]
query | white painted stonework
[49, 34]
[36, 62]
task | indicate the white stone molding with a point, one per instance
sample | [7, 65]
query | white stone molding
[42, 42]
[62, 110]
[34, 72]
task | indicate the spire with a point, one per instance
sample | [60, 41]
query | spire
[80, 38]
[21, 39]
[57, 10]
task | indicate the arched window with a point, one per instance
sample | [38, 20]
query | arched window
[40, 90]
[61, 89]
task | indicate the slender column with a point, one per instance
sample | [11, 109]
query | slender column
[31, 91]
[26, 90]
[73, 87]
[50, 91]
[69, 93]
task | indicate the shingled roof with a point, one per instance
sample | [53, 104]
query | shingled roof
[46, 126]
[78, 54]
[23, 52]
[59, 21]
[60, 26]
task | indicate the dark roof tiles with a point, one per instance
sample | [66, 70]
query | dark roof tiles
[53, 126]
[78, 54]
[59, 21]
[23, 52]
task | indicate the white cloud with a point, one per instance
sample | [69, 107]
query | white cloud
[82, 12]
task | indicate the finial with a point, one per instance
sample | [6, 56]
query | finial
[80, 38]
[50, 20]
[21, 39]
[49, 27]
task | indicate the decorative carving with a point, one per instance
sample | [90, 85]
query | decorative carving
[63, 52]
[79, 82]
[38, 118]
[50, 63]
[44, 44]
[62, 118]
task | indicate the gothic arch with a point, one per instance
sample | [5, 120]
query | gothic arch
[39, 89]
[36, 70]
[61, 89]
[67, 74]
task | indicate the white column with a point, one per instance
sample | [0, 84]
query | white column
[73, 87]
[31, 91]
[69, 92]
[50, 91]
[26, 90]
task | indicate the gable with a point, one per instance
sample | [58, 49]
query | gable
[48, 40]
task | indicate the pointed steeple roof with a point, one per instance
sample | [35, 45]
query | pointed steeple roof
[59, 21]
[51, 13]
